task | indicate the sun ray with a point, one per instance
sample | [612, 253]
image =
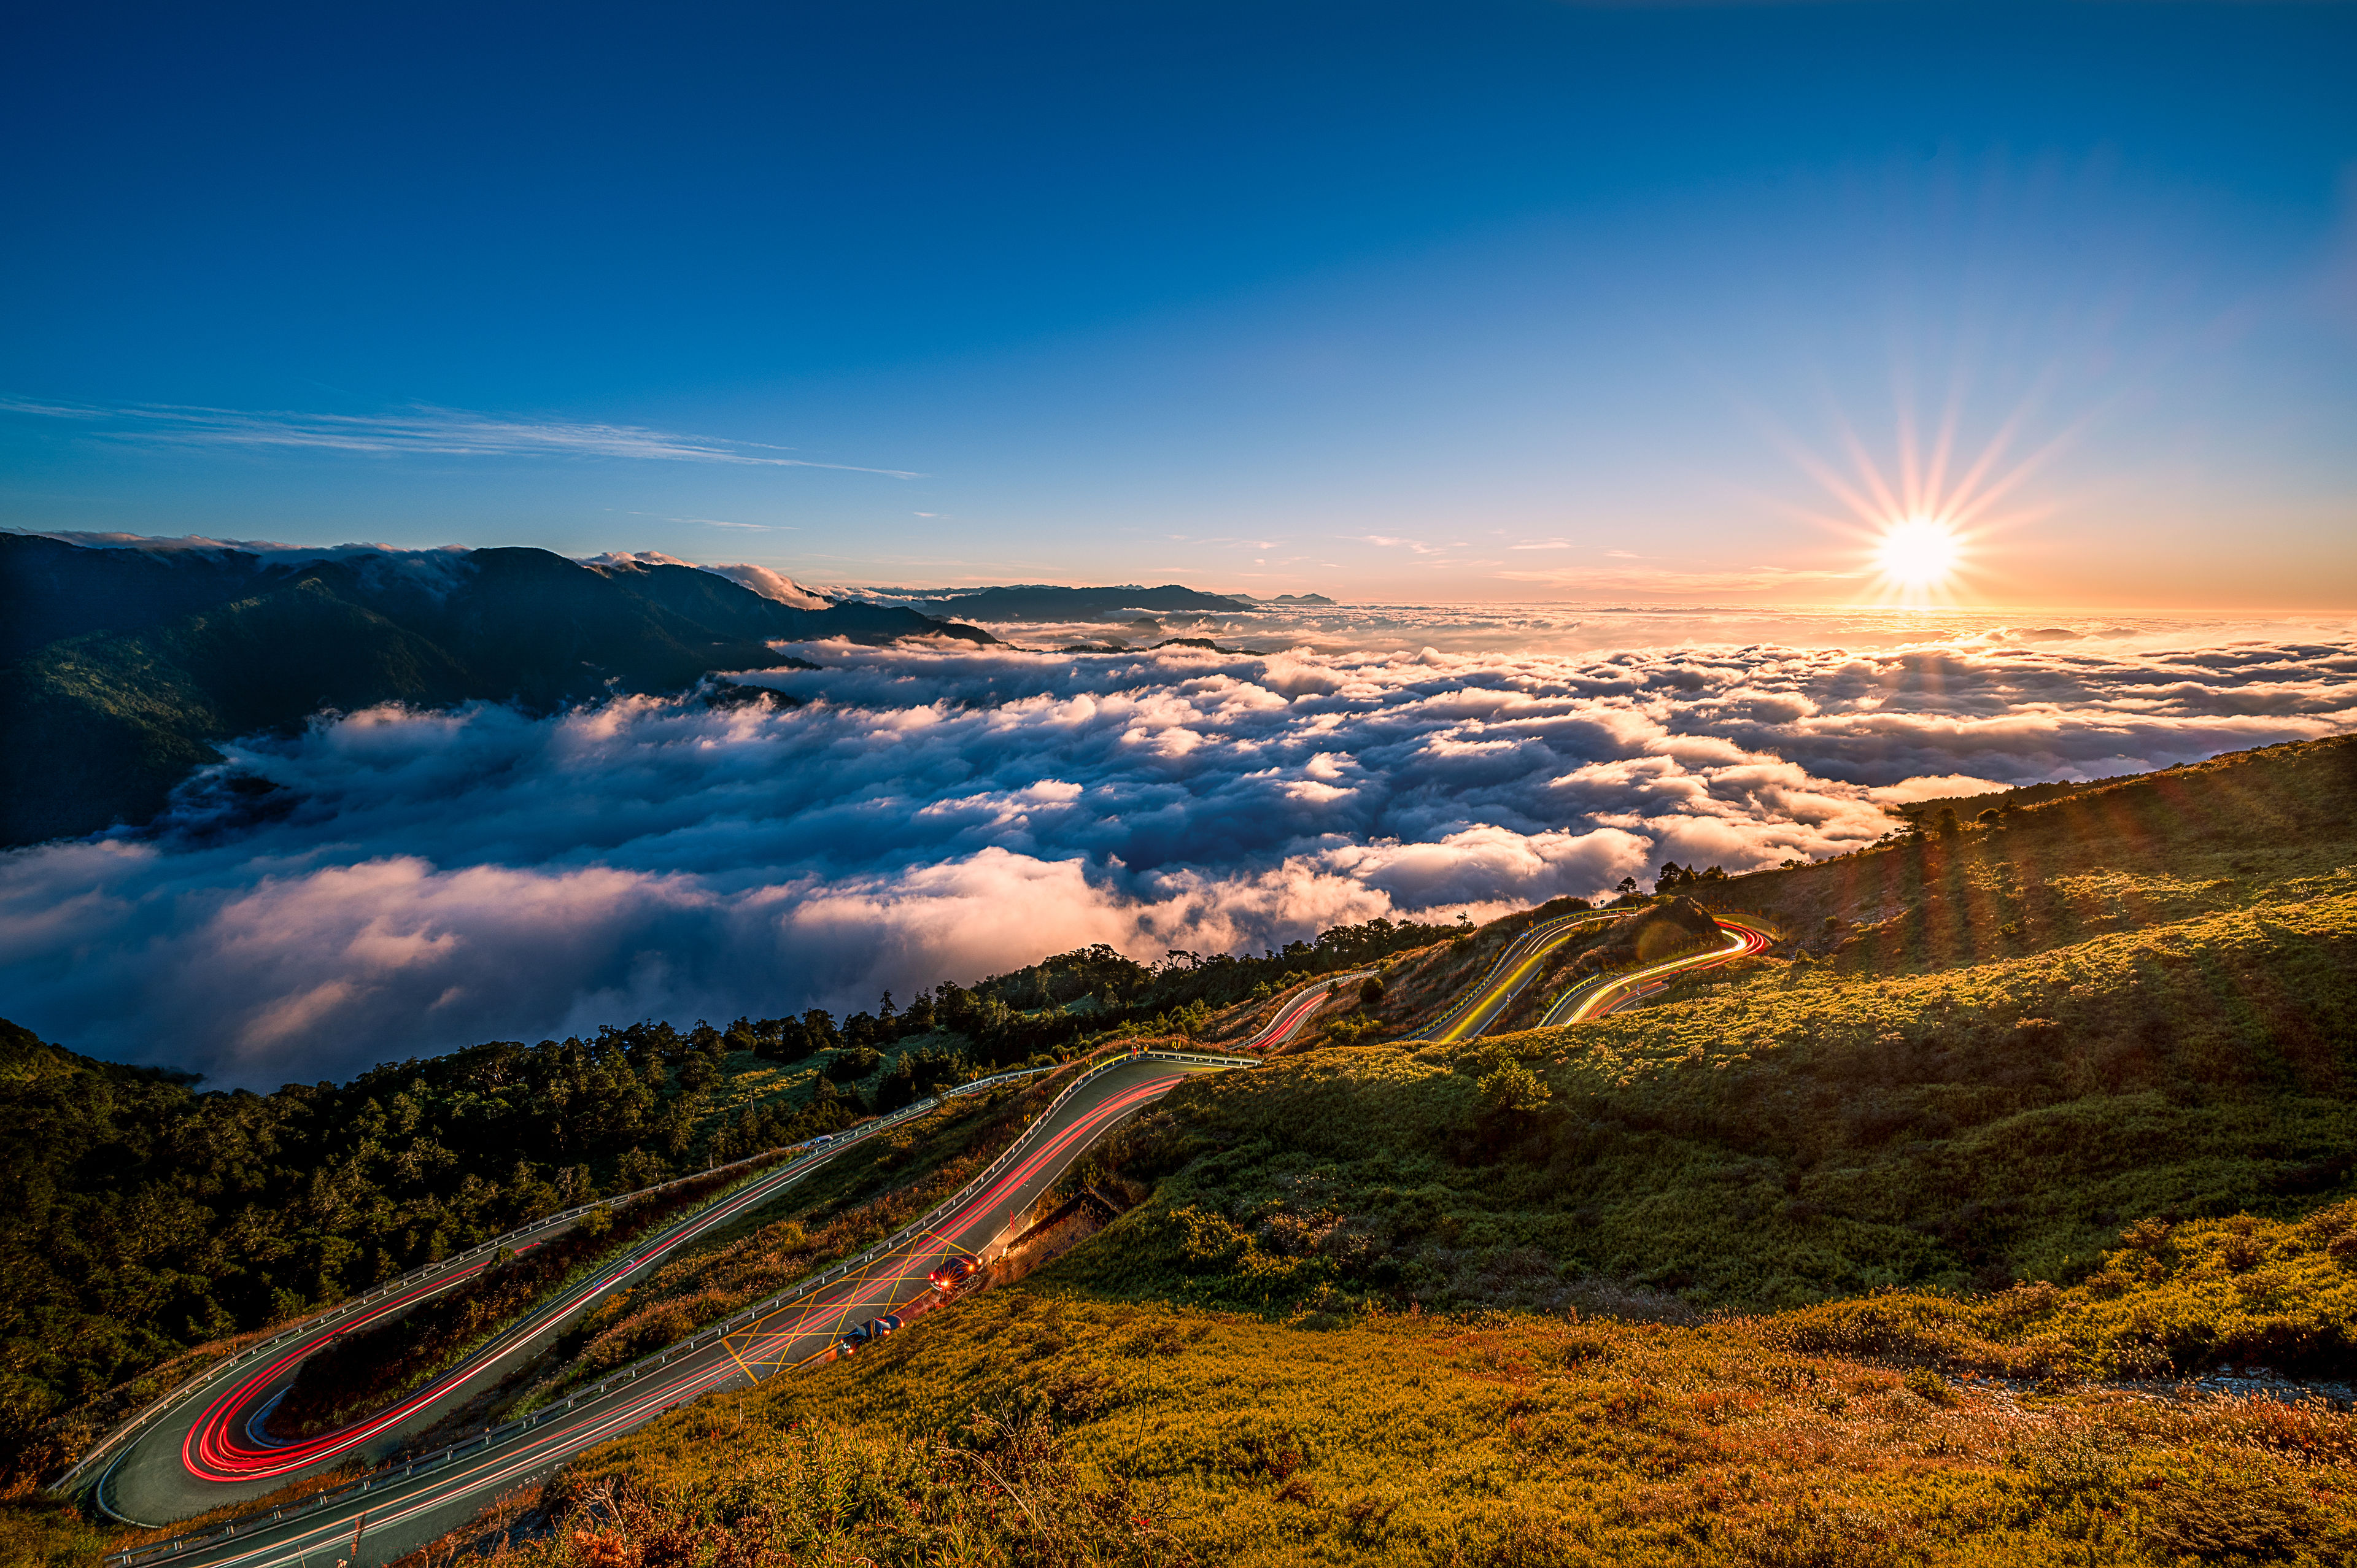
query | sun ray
[1923, 514]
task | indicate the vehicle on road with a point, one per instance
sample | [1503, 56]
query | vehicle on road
[196, 1444]
[867, 1333]
[952, 1274]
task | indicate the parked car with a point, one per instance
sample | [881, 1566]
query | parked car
[952, 1274]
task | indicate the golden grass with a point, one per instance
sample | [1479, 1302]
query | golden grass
[1022, 1427]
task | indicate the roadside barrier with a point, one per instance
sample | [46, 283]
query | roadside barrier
[1516, 950]
[1560, 1010]
[405, 1469]
[1294, 996]
[350, 1305]
[541, 1227]
[1293, 993]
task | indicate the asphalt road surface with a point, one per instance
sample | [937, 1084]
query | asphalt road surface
[1516, 967]
[210, 1450]
[1611, 995]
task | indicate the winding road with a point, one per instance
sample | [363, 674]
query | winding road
[207, 1449]
[1613, 993]
[1516, 967]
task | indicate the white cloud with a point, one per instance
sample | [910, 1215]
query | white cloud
[420, 429]
[440, 879]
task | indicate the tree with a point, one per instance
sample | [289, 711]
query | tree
[638, 1168]
[1510, 1089]
[1370, 990]
[854, 1062]
[1945, 823]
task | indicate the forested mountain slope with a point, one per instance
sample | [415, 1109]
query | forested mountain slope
[2063, 1093]
[139, 1217]
[126, 665]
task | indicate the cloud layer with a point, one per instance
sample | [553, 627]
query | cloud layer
[421, 881]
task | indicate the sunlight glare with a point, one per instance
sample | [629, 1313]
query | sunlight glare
[1917, 553]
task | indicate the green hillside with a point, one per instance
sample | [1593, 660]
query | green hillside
[126, 667]
[2008, 1044]
[1862, 1251]
[140, 1219]
[1851, 1254]
[1024, 1428]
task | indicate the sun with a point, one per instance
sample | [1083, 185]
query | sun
[1918, 553]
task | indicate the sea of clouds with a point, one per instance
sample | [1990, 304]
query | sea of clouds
[420, 881]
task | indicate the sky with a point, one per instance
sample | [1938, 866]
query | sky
[1467, 302]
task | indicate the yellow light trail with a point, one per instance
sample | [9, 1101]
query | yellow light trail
[1481, 1007]
[1740, 940]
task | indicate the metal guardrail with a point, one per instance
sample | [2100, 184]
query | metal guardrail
[1562, 1007]
[1292, 995]
[345, 1308]
[350, 1305]
[1515, 951]
[1278, 1003]
[387, 1473]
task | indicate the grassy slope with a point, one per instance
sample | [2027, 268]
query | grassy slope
[2009, 1052]
[2007, 1049]
[1020, 1428]
[1769, 1141]
[1966, 1090]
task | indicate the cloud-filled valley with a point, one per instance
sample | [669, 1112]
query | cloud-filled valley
[414, 881]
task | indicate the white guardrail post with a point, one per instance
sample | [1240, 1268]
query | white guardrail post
[377, 1293]
[1472, 995]
[414, 1464]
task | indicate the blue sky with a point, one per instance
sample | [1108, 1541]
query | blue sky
[1461, 301]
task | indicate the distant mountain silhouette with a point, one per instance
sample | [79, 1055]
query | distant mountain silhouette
[1039, 601]
[125, 665]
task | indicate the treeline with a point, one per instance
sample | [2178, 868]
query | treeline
[140, 1217]
[1048, 1008]
[1119, 991]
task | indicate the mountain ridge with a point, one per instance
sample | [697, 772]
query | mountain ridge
[1033, 601]
[144, 661]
